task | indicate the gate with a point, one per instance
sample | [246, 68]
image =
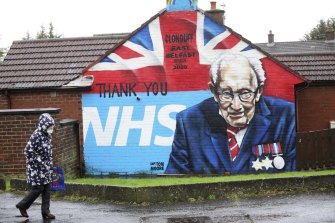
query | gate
[316, 150]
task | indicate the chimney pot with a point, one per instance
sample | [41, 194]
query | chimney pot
[213, 5]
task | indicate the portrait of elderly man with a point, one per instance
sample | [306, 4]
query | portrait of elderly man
[238, 130]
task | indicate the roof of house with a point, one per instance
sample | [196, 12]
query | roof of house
[52, 63]
[313, 60]
[59, 63]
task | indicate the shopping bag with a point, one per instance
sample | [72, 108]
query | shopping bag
[57, 183]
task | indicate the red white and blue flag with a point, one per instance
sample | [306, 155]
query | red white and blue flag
[173, 47]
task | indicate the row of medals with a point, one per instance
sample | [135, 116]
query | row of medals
[278, 163]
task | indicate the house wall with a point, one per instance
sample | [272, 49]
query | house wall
[3, 101]
[151, 111]
[315, 108]
[16, 127]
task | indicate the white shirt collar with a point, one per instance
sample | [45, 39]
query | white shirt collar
[240, 134]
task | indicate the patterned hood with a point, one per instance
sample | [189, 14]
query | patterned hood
[45, 122]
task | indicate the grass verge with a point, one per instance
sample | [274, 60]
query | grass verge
[166, 180]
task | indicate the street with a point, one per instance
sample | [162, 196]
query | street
[312, 207]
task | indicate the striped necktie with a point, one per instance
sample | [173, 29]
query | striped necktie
[234, 148]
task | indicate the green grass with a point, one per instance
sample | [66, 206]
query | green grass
[7, 183]
[162, 181]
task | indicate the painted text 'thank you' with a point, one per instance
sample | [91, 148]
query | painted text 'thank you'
[111, 90]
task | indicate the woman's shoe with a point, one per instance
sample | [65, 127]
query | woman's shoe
[23, 212]
[48, 216]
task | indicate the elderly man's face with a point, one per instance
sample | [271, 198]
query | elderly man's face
[237, 93]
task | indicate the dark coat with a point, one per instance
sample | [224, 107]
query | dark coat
[38, 153]
[201, 144]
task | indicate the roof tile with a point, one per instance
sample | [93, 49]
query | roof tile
[314, 60]
[52, 62]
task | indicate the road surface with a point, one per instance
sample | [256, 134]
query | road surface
[307, 207]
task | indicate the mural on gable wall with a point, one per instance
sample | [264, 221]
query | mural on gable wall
[170, 98]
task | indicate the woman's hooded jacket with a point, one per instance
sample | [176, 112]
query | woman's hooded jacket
[38, 153]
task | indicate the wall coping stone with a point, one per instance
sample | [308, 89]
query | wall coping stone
[29, 111]
[68, 122]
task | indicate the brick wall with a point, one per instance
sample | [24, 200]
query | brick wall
[15, 131]
[3, 101]
[315, 108]
[69, 102]
[16, 127]
[67, 154]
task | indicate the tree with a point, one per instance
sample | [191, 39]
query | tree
[43, 34]
[52, 33]
[28, 36]
[3, 52]
[319, 32]
[47, 35]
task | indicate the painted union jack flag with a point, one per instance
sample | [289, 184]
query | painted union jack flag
[176, 47]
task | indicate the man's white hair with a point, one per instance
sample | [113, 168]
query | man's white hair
[225, 59]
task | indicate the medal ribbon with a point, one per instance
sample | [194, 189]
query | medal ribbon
[268, 149]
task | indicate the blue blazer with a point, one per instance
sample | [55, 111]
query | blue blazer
[201, 146]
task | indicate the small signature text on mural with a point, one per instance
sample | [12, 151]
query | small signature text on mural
[111, 90]
[156, 166]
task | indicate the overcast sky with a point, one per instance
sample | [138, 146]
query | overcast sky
[289, 20]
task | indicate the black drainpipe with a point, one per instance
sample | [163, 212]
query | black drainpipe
[77, 130]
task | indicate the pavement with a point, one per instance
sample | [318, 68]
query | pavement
[302, 207]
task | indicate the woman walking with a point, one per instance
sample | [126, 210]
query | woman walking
[38, 153]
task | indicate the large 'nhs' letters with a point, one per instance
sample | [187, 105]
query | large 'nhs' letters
[121, 128]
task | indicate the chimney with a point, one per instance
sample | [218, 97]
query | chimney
[216, 14]
[271, 39]
[330, 34]
[213, 5]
